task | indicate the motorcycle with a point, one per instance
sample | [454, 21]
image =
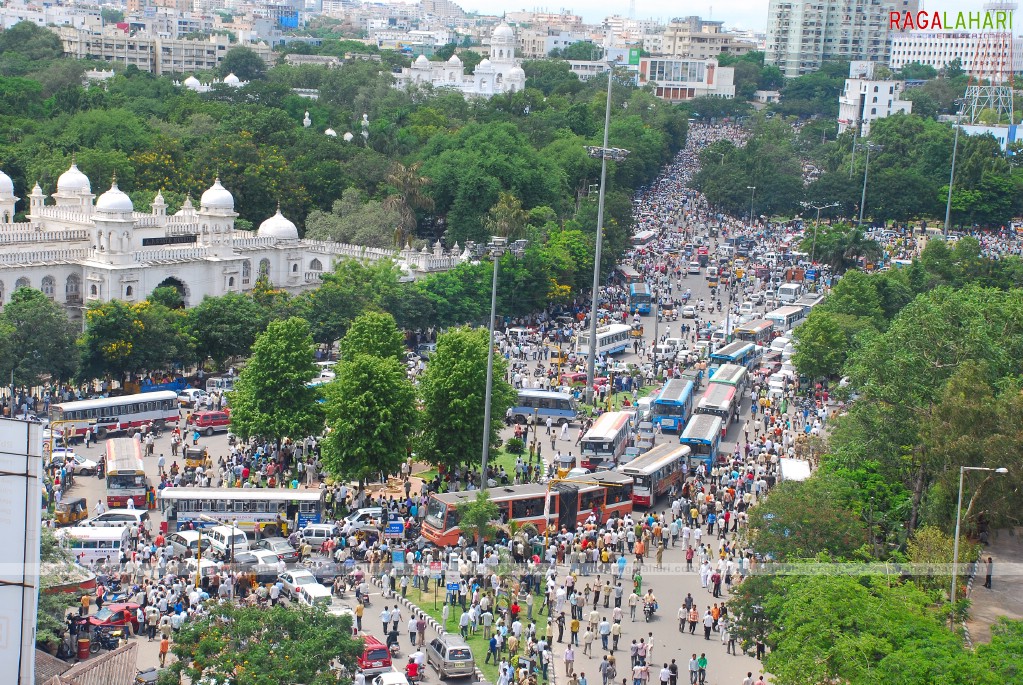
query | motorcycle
[106, 639]
[648, 611]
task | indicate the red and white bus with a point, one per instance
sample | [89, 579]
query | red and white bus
[114, 414]
[568, 503]
[654, 472]
[606, 440]
[719, 400]
[125, 473]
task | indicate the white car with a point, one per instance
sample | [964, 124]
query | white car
[192, 397]
[746, 308]
[77, 464]
[293, 580]
[689, 312]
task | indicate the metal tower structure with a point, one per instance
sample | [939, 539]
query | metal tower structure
[991, 83]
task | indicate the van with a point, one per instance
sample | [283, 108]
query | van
[224, 539]
[789, 292]
[317, 533]
[89, 545]
[694, 268]
[314, 595]
[117, 518]
[186, 543]
[367, 517]
[779, 343]
[375, 657]
[209, 422]
[451, 656]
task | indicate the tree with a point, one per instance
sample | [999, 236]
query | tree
[53, 606]
[271, 398]
[375, 334]
[822, 345]
[409, 196]
[41, 340]
[347, 292]
[354, 219]
[244, 63]
[33, 43]
[128, 338]
[506, 218]
[453, 391]
[258, 646]
[224, 327]
[476, 516]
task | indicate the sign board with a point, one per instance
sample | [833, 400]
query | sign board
[435, 569]
[452, 587]
[395, 528]
[634, 54]
[398, 557]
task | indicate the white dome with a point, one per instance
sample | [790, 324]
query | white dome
[516, 72]
[217, 197]
[504, 31]
[232, 80]
[484, 65]
[6, 185]
[278, 227]
[421, 60]
[192, 82]
[73, 181]
[455, 61]
[348, 136]
[114, 200]
[330, 132]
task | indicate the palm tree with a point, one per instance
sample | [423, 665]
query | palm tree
[410, 196]
[857, 245]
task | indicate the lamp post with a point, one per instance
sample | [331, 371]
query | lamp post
[869, 147]
[955, 543]
[752, 191]
[604, 153]
[807, 205]
[952, 173]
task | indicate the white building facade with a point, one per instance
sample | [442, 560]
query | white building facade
[676, 80]
[864, 99]
[937, 50]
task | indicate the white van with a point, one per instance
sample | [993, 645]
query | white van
[778, 344]
[223, 538]
[313, 595]
[694, 268]
[89, 545]
[789, 292]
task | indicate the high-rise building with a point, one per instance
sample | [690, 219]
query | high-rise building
[865, 99]
[695, 38]
[803, 35]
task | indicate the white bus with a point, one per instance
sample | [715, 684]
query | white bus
[112, 414]
[606, 440]
[786, 318]
[655, 472]
[253, 509]
[561, 407]
[611, 339]
[91, 545]
[220, 383]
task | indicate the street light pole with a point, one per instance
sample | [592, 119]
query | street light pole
[497, 246]
[866, 168]
[753, 191]
[955, 543]
[952, 173]
[813, 245]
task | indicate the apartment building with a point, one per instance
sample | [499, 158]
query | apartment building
[538, 43]
[676, 80]
[865, 99]
[937, 50]
[694, 38]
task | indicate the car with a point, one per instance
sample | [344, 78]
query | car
[116, 615]
[79, 465]
[317, 533]
[577, 472]
[258, 563]
[451, 656]
[210, 422]
[694, 268]
[191, 397]
[425, 350]
[313, 595]
[746, 307]
[187, 543]
[689, 312]
[293, 580]
[278, 546]
[392, 678]
[118, 518]
[367, 517]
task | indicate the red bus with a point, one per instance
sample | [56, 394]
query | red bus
[719, 400]
[125, 473]
[654, 472]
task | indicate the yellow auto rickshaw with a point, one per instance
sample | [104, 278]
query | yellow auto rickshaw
[565, 463]
[197, 458]
[71, 511]
[637, 331]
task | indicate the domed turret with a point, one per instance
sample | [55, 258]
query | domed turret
[485, 65]
[454, 61]
[279, 227]
[217, 197]
[504, 31]
[73, 182]
[330, 132]
[421, 61]
[114, 201]
[232, 80]
[192, 83]
[6, 185]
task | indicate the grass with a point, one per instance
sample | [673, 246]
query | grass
[500, 458]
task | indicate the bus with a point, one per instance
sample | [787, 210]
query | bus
[220, 383]
[719, 400]
[606, 440]
[740, 353]
[640, 298]
[703, 255]
[673, 405]
[786, 318]
[644, 238]
[733, 375]
[702, 435]
[758, 332]
[809, 301]
[567, 504]
[95, 545]
[125, 473]
[655, 472]
[629, 275]
[611, 339]
[113, 414]
[561, 407]
[269, 511]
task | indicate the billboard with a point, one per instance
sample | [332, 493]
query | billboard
[634, 54]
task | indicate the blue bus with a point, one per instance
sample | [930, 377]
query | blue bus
[560, 406]
[640, 298]
[703, 437]
[740, 353]
[673, 405]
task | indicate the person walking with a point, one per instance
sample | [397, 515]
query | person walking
[988, 572]
[694, 669]
[164, 649]
[701, 666]
[569, 658]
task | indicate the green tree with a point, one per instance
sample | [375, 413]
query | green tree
[41, 340]
[476, 516]
[271, 398]
[354, 219]
[129, 338]
[283, 644]
[453, 391]
[31, 42]
[244, 63]
[375, 334]
[409, 197]
[506, 218]
[224, 327]
[822, 346]
[353, 287]
[55, 564]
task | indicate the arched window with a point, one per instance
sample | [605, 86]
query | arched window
[264, 267]
[246, 271]
[49, 285]
[230, 282]
[315, 265]
[129, 291]
[93, 290]
[1, 292]
[73, 289]
[22, 283]
[294, 268]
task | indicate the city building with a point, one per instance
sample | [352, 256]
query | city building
[801, 35]
[587, 69]
[694, 38]
[538, 43]
[500, 73]
[865, 99]
[937, 50]
[77, 248]
[546, 20]
[50, 15]
[1003, 134]
[676, 79]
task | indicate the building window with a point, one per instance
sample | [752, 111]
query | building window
[22, 283]
[264, 267]
[315, 265]
[48, 286]
[129, 292]
[294, 268]
[246, 271]
[230, 282]
[93, 290]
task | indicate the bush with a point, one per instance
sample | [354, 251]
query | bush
[515, 446]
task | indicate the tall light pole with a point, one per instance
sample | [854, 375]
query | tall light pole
[752, 191]
[604, 153]
[955, 543]
[952, 173]
[869, 147]
[807, 205]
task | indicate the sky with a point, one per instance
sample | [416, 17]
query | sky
[738, 14]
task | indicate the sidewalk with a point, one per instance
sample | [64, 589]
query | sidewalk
[1005, 598]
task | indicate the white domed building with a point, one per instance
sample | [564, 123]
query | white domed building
[77, 248]
[500, 73]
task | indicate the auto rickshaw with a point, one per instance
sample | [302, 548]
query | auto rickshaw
[197, 458]
[637, 331]
[71, 511]
[565, 463]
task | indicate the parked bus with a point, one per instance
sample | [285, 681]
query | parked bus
[641, 298]
[561, 407]
[125, 473]
[220, 383]
[644, 238]
[568, 504]
[786, 318]
[702, 435]
[719, 400]
[673, 405]
[271, 511]
[809, 301]
[655, 472]
[733, 375]
[758, 332]
[611, 339]
[95, 545]
[740, 353]
[113, 414]
[606, 440]
[629, 275]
